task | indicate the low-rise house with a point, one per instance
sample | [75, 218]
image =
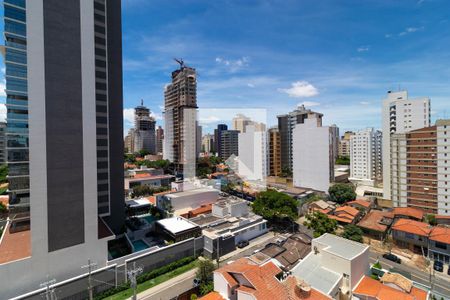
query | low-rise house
[439, 246]
[180, 203]
[203, 209]
[408, 213]
[411, 234]
[230, 222]
[321, 206]
[360, 204]
[376, 223]
[334, 266]
[177, 229]
[150, 177]
[371, 289]
[345, 215]
[246, 279]
[442, 220]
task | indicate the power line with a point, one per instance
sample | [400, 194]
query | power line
[132, 274]
[90, 286]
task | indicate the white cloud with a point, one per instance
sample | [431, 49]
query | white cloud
[301, 89]
[233, 65]
[250, 85]
[410, 30]
[363, 49]
[309, 103]
[2, 112]
[128, 116]
[209, 119]
[364, 102]
[2, 89]
[156, 116]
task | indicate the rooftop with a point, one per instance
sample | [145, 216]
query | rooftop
[412, 226]
[360, 202]
[212, 296]
[376, 220]
[341, 247]
[191, 192]
[176, 224]
[376, 290]
[412, 212]
[440, 234]
[15, 246]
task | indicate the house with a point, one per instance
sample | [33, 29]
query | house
[442, 220]
[376, 223]
[371, 289]
[248, 279]
[359, 204]
[334, 266]
[345, 215]
[182, 202]
[150, 177]
[177, 229]
[440, 244]
[203, 209]
[408, 213]
[321, 206]
[411, 234]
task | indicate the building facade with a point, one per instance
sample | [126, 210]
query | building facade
[229, 143]
[208, 143]
[144, 137]
[365, 156]
[180, 120]
[335, 138]
[420, 168]
[240, 121]
[286, 125]
[159, 140]
[344, 144]
[218, 137]
[65, 145]
[3, 143]
[313, 160]
[400, 115]
[274, 152]
[252, 154]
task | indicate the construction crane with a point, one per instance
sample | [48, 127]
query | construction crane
[180, 61]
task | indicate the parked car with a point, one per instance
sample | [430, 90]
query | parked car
[438, 266]
[392, 257]
[242, 244]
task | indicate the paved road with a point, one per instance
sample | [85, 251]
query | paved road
[171, 288]
[439, 285]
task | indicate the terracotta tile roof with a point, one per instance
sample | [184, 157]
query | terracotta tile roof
[348, 210]
[212, 296]
[373, 288]
[409, 211]
[152, 200]
[344, 220]
[360, 202]
[373, 221]
[441, 217]
[263, 283]
[15, 246]
[440, 234]
[411, 226]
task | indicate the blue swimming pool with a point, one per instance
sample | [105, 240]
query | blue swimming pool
[139, 245]
[150, 219]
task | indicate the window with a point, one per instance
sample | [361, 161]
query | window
[16, 28]
[14, 13]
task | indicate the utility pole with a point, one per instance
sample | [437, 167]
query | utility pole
[49, 291]
[132, 274]
[90, 286]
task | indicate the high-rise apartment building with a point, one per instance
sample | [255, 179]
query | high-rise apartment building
[208, 143]
[274, 152]
[240, 121]
[3, 157]
[365, 157]
[229, 143]
[313, 157]
[334, 141]
[64, 137]
[198, 137]
[159, 140]
[400, 115]
[144, 137]
[129, 141]
[420, 168]
[286, 125]
[344, 144]
[180, 120]
[252, 153]
[218, 138]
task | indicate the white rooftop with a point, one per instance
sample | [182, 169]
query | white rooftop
[176, 224]
[192, 192]
[138, 202]
[340, 246]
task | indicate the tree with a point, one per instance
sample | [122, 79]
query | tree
[143, 153]
[353, 232]
[343, 160]
[320, 223]
[3, 208]
[205, 270]
[274, 206]
[431, 219]
[205, 288]
[341, 193]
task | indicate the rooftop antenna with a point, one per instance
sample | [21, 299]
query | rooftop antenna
[142, 102]
[180, 62]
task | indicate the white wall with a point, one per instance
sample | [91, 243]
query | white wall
[443, 140]
[194, 200]
[252, 154]
[312, 156]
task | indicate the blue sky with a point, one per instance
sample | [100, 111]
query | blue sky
[338, 57]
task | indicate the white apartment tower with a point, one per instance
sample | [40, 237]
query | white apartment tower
[252, 153]
[313, 155]
[400, 115]
[365, 157]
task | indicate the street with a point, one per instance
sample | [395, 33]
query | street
[171, 288]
